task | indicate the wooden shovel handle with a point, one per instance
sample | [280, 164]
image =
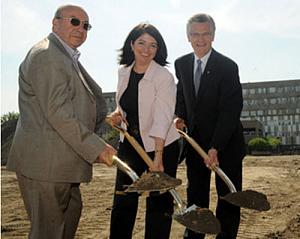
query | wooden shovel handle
[134, 143]
[204, 155]
[179, 202]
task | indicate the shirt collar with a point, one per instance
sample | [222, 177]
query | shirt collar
[74, 53]
[203, 59]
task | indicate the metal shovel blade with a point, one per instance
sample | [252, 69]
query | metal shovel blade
[248, 199]
[145, 183]
[200, 220]
[154, 181]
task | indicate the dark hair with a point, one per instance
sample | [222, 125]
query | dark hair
[201, 17]
[126, 56]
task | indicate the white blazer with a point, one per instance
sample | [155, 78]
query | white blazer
[156, 103]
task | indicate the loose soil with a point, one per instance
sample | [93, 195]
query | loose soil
[278, 177]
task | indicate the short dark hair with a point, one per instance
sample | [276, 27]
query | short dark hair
[126, 56]
[201, 17]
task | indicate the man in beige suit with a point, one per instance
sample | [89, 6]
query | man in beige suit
[55, 145]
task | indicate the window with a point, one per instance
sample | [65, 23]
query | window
[272, 89]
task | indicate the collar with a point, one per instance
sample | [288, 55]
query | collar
[149, 72]
[203, 59]
[74, 53]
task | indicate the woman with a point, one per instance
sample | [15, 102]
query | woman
[145, 99]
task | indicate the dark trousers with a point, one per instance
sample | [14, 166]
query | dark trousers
[199, 188]
[159, 208]
[54, 209]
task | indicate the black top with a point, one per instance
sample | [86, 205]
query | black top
[129, 102]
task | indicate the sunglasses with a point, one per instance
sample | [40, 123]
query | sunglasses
[76, 22]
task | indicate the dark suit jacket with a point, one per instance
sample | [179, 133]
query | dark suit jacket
[215, 113]
[55, 139]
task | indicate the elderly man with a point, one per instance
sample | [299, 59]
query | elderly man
[55, 145]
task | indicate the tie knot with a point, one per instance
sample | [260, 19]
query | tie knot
[199, 62]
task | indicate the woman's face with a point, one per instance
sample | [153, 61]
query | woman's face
[144, 49]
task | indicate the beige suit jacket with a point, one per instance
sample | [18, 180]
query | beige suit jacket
[55, 139]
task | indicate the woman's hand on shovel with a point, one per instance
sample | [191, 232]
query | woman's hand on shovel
[116, 118]
[157, 163]
[212, 159]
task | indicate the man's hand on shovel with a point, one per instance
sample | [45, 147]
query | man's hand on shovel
[106, 155]
[179, 123]
[212, 159]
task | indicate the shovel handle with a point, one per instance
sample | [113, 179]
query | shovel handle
[180, 204]
[125, 168]
[134, 143]
[204, 155]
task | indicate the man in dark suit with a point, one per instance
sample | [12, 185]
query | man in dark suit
[54, 146]
[209, 103]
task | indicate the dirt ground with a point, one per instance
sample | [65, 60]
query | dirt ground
[276, 176]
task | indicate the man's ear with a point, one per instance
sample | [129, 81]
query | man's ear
[188, 37]
[55, 24]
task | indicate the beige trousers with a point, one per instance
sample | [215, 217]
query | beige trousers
[54, 209]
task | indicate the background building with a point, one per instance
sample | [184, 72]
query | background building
[276, 105]
[270, 108]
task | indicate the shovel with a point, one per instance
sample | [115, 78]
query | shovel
[139, 184]
[162, 181]
[200, 220]
[248, 199]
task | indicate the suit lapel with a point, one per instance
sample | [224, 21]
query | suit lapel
[189, 80]
[84, 79]
[207, 74]
[54, 39]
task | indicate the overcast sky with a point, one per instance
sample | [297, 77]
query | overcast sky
[263, 37]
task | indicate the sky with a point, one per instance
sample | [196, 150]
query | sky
[262, 37]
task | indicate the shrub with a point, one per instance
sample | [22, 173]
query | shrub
[273, 142]
[258, 144]
[9, 116]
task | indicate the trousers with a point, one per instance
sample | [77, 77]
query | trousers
[54, 209]
[198, 190]
[159, 208]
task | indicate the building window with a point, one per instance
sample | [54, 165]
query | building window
[272, 89]
[260, 112]
[245, 113]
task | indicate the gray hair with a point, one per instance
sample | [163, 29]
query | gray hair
[201, 18]
[63, 7]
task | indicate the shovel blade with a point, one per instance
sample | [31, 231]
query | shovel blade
[200, 220]
[248, 199]
[154, 182]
